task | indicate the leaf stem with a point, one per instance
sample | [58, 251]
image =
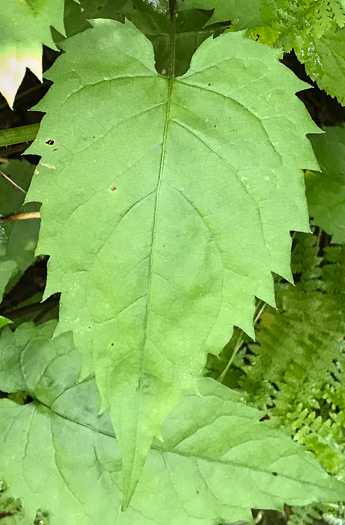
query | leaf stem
[20, 217]
[12, 182]
[258, 313]
[260, 310]
[236, 349]
[19, 135]
[172, 12]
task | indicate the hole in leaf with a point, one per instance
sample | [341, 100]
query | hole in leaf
[50, 142]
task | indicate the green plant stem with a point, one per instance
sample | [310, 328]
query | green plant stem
[18, 135]
[172, 11]
[41, 307]
[20, 217]
[233, 355]
[258, 313]
[12, 182]
[260, 310]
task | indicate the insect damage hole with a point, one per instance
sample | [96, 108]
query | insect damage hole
[50, 142]
[113, 188]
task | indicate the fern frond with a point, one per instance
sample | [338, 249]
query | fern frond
[296, 371]
[297, 367]
[298, 20]
[313, 29]
[305, 515]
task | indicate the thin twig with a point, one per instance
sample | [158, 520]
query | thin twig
[258, 312]
[20, 217]
[236, 349]
[12, 182]
[319, 236]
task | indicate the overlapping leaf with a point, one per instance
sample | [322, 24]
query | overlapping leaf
[25, 27]
[164, 218]
[59, 455]
[326, 190]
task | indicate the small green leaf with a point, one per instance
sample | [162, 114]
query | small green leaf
[326, 190]
[3, 321]
[216, 461]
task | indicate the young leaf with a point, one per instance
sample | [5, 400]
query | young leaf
[179, 217]
[326, 190]
[59, 455]
[25, 27]
[3, 321]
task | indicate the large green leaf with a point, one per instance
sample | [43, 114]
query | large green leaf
[326, 190]
[165, 217]
[217, 460]
[25, 27]
[17, 239]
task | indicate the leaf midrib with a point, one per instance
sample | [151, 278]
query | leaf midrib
[171, 76]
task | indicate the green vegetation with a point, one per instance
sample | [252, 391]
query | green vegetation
[157, 364]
